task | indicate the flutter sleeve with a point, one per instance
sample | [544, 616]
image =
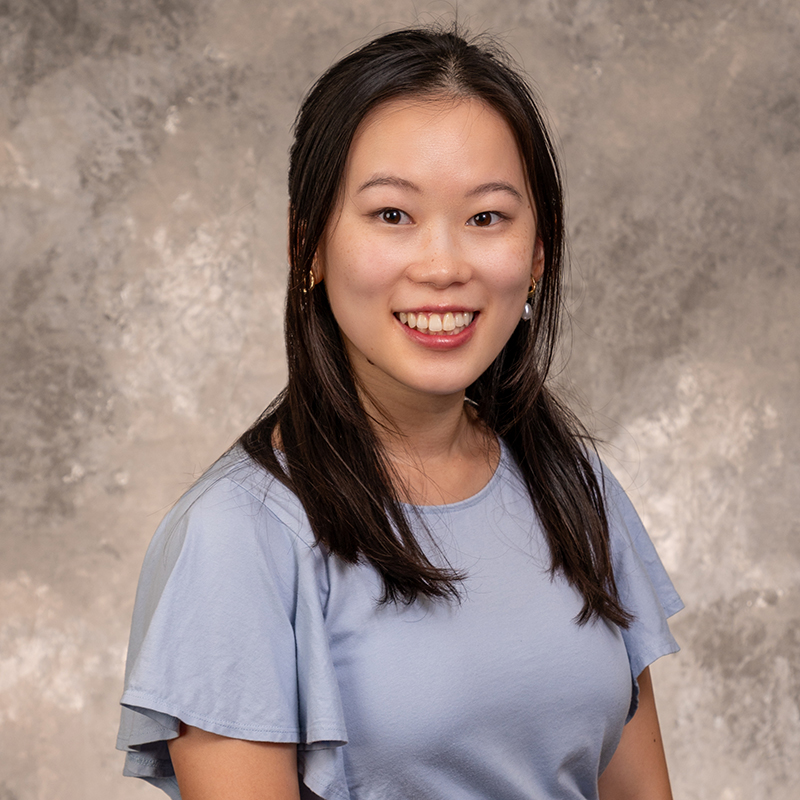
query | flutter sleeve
[645, 588]
[228, 634]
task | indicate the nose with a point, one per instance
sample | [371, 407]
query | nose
[440, 261]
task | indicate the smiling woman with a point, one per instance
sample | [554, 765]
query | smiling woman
[435, 220]
[412, 577]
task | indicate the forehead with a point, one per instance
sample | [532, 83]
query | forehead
[418, 135]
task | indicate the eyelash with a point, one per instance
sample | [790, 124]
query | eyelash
[500, 218]
[380, 214]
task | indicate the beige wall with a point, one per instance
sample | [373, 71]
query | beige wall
[142, 216]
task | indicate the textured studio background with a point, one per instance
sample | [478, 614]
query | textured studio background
[142, 258]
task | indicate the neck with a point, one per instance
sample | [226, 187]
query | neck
[439, 450]
[434, 426]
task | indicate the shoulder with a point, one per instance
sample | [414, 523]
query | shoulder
[622, 516]
[236, 496]
[638, 568]
[236, 520]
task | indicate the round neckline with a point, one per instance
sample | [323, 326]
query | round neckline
[472, 500]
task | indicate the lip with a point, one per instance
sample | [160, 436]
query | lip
[434, 341]
[436, 310]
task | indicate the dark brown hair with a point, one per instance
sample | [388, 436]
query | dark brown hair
[334, 461]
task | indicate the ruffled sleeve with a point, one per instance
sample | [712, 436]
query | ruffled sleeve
[645, 589]
[228, 632]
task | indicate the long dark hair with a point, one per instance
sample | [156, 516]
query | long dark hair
[334, 461]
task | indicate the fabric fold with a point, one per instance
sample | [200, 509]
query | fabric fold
[644, 586]
[229, 632]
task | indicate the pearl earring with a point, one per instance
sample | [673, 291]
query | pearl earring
[527, 311]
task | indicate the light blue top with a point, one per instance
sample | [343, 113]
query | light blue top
[245, 628]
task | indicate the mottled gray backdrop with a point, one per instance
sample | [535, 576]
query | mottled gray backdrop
[142, 258]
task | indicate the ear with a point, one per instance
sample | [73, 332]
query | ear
[538, 260]
[318, 264]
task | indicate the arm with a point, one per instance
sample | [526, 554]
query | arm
[638, 768]
[212, 767]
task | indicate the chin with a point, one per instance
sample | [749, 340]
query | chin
[442, 389]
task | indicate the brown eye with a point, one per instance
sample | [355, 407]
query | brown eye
[392, 215]
[485, 219]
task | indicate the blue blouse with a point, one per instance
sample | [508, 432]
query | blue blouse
[244, 627]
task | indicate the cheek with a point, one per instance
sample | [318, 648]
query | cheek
[510, 265]
[357, 285]
[357, 291]
[363, 270]
[512, 277]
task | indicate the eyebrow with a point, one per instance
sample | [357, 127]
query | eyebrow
[494, 186]
[388, 180]
[402, 183]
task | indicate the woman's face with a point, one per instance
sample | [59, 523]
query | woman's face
[428, 258]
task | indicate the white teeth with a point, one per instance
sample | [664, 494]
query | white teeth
[449, 322]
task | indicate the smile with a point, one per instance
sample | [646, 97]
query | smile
[448, 324]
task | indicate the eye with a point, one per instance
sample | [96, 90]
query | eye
[394, 216]
[485, 219]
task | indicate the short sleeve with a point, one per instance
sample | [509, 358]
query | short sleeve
[644, 586]
[228, 634]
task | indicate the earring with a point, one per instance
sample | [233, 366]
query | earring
[311, 281]
[527, 311]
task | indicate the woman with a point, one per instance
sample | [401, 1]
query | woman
[411, 578]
